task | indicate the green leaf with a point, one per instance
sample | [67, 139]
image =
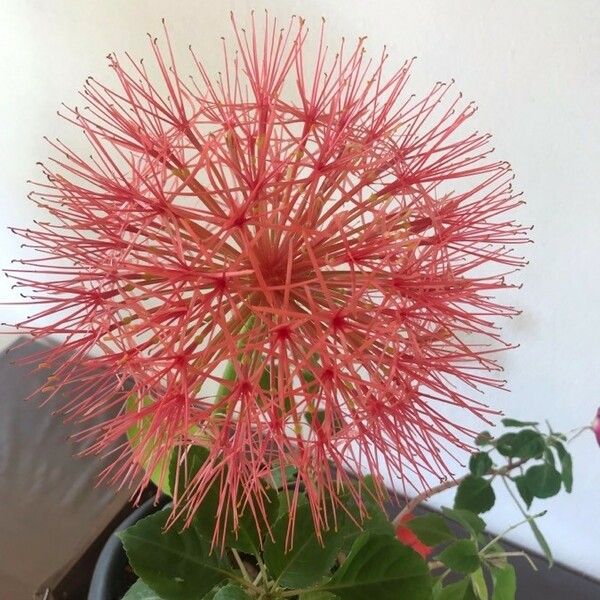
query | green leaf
[181, 474]
[461, 590]
[528, 444]
[544, 480]
[430, 529]
[462, 556]
[317, 418]
[308, 559]
[505, 444]
[541, 540]
[140, 591]
[282, 478]
[566, 465]
[138, 433]
[505, 583]
[485, 438]
[469, 593]
[480, 464]
[474, 494]
[355, 524]
[317, 596]
[284, 498]
[231, 592]
[479, 586]
[376, 522]
[549, 457]
[515, 423]
[265, 380]
[380, 567]
[469, 520]
[177, 565]
[229, 375]
[524, 490]
[246, 537]
[525, 444]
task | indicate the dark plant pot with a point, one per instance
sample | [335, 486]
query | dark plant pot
[112, 576]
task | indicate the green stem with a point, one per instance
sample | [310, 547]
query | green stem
[501, 535]
[240, 564]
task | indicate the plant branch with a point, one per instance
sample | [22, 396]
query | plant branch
[241, 565]
[509, 554]
[511, 528]
[425, 495]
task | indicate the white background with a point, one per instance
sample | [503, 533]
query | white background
[534, 70]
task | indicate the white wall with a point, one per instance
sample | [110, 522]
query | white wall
[534, 69]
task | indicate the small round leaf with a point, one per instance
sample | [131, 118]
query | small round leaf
[480, 464]
[461, 556]
[475, 494]
[544, 480]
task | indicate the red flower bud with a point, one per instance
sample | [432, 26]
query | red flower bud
[596, 426]
[408, 538]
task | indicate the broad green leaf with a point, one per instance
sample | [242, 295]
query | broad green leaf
[318, 418]
[283, 500]
[544, 480]
[317, 596]
[355, 523]
[474, 494]
[177, 565]
[181, 474]
[376, 522]
[140, 591]
[485, 438]
[469, 520]
[229, 375]
[524, 491]
[566, 465]
[380, 567]
[308, 559]
[528, 444]
[430, 529]
[505, 583]
[541, 540]
[462, 556]
[135, 434]
[480, 463]
[265, 380]
[268, 383]
[231, 592]
[247, 536]
[244, 537]
[282, 477]
[479, 585]
[515, 423]
[461, 590]
[469, 593]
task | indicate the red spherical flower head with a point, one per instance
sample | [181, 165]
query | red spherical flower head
[408, 538]
[302, 218]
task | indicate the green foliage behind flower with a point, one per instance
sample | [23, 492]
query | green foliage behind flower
[447, 556]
